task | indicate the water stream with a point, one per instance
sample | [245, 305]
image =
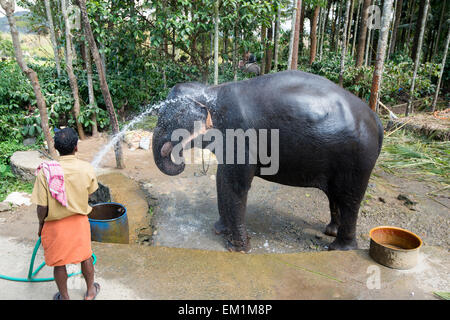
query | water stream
[148, 109]
[116, 138]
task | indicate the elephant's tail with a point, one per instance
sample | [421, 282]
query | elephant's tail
[380, 134]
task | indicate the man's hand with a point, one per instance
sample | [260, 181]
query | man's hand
[41, 225]
[42, 213]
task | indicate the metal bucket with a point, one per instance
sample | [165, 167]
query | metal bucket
[109, 223]
[394, 247]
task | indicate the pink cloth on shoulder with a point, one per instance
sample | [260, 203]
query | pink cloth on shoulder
[55, 179]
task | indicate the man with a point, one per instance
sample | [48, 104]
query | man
[249, 65]
[61, 192]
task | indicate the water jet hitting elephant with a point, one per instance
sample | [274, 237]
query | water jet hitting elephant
[327, 138]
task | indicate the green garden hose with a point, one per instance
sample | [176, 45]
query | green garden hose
[32, 274]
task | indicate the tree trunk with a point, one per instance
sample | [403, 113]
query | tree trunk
[381, 53]
[418, 30]
[9, 7]
[313, 47]
[368, 44]
[302, 25]
[216, 43]
[103, 84]
[355, 30]
[92, 102]
[338, 27]
[334, 26]
[418, 46]
[398, 15]
[277, 37]
[362, 34]
[52, 36]
[441, 20]
[235, 44]
[294, 64]
[349, 26]
[269, 49]
[293, 26]
[444, 59]
[344, 42]
[321, 31]
[408, 32]
[263, 44]
[70, 73]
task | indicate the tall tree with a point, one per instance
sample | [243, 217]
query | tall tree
[69, 67]
[344, 42]
[362, 34]
[216, 42]
[9, 7]
[313, 47]
[103, 84]
[398, 15]
[381, 53]
[418, 30]
[369, 42]
[277, 37]
[322, 24]
[294, 63]
[355, 30]
[412, 4]
[53, 36]
[444, 59]
[269, 48]
[416, 55]
[235, 41]
[92, 102]
[293, 26]
[263, 44]
[349, 27]
[441, 20]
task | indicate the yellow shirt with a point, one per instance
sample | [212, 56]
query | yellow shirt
[79, 181]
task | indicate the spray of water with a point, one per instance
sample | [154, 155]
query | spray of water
[148, 109]
[116, 138]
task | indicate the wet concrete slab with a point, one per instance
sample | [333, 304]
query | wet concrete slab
[128, 192]
[145, 272]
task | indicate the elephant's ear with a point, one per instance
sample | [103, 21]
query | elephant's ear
[208, 122]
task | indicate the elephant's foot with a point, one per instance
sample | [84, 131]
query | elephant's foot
[238, 246]
[331, 229]
[342, 244]
[220, 228]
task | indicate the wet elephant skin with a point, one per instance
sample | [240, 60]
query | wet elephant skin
[328, 139]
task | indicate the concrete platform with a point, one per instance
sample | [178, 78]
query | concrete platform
[144, 272]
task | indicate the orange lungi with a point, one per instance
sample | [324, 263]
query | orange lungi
[66, 241]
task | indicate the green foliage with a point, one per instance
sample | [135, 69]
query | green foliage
[396, 80]
[6, 47]
[9, 181]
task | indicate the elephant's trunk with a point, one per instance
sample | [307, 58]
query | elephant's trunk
[162, 149]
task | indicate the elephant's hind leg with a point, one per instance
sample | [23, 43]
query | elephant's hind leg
[332, 228]
[347, 191]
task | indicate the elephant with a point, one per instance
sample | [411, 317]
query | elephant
[327, 139]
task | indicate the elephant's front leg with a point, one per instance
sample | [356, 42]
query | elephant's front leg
[233, 183]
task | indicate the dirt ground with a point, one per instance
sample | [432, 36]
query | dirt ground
[279, 218]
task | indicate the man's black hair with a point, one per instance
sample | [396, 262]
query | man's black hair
[65, 141]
